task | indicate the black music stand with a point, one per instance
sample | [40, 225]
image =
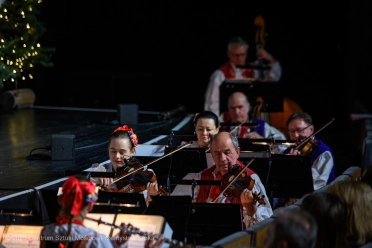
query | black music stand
[184, 161]
[207, 224]
[116, 202]
[269, 91]
[90, 173]
[256, 145]
[284, 176]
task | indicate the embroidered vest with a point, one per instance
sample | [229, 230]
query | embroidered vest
[229, 71]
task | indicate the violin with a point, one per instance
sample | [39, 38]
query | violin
[308, 143]
[236, 181]
[139, 180]
[143, 177]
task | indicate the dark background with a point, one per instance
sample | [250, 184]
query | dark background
[158, 54]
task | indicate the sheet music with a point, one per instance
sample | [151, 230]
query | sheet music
[19, 236]
[145, 223]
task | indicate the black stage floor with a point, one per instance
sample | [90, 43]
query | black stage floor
[30, 130]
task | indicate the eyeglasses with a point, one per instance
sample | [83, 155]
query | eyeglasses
[298, 131]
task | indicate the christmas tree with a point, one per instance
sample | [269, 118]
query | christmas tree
[20, 49]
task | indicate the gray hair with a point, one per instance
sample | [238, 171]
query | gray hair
[237, 41]
[234, 141]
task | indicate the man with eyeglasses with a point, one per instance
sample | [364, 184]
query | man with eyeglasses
[300, 126]
[237, 51]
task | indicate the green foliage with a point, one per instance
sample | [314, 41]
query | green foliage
[20, 31]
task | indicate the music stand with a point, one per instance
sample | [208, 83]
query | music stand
[284, 176]
[256, 145]
[116, 202]
[269, 91]
[207, 224]
[184, 161]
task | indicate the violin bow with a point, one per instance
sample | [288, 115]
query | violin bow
[232, 181]
[313, 135]
[153, 161]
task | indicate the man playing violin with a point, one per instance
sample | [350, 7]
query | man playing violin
[225, 151]
[300, 126]
[121, 149]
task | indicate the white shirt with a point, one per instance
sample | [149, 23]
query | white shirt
[212, 94]
[263, 211]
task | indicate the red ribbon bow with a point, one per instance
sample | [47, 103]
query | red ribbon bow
[80, 188]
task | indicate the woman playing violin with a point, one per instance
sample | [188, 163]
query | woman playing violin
[225, 151]
[121, 149]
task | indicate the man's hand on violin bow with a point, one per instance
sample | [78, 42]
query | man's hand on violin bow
[294, 152]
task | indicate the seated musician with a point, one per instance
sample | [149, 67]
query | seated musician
[206, 123]
[76, 201]
[121, 149]
[238, 109]
[300, 126]
[225, 151]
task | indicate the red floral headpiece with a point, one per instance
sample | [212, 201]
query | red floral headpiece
[80, 187]
[131, 134]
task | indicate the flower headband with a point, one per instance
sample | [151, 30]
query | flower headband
[131, 134]
[194, 119]
[80, 188]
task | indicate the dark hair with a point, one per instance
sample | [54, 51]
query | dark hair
[298, 228]
[330, 213]
[122, 135]
[207, 115]
[301, 115]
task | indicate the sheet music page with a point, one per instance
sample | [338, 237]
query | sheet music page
[19, 236]
[145, 223]
[102, 228]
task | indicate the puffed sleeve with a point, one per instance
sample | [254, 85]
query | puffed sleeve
[212, 94]
[264, 211]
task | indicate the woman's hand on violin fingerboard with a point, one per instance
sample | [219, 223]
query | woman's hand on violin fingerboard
[152, 188]
[248, 201]
[102, 181]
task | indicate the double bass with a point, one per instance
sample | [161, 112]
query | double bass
[275, 119]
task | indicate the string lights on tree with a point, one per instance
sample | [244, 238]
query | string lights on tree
[20, 49]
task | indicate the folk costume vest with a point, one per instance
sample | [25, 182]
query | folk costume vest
[229, 71]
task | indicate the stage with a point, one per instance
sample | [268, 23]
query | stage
[26, 132]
